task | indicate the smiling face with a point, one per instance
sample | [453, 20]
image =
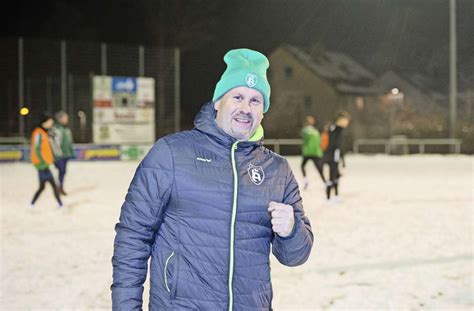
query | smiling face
[240, 112]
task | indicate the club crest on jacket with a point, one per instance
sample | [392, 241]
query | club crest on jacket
[256, 174]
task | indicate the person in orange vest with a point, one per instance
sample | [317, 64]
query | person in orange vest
[325, 136]
[42, 157]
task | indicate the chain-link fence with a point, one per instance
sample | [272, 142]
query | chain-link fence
[47, 75]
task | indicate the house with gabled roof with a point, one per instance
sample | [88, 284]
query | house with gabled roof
[318, 84]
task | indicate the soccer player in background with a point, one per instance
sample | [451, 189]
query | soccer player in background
[311, 149]
[61, 143]
[334, 152]
[42, 157]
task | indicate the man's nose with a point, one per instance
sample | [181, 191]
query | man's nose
[245, 106]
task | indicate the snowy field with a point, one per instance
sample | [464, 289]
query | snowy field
[401, 239]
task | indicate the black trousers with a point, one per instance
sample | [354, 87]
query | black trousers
[44, 177]
[318, 162]
[333, 178]
[61, 166]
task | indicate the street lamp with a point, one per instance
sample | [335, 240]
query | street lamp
[24, 111]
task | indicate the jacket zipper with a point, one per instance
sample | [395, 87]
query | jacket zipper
[166, 270]
[232, 225]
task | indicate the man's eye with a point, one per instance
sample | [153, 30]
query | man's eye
[238, 97]
[256, 101]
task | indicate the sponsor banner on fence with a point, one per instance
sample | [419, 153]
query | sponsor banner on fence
[12, 153]
[82, 152]
[124, 133]
[97, 152]
[124, 110]
[102, 92]
[135, 152]
[124, 115]
[146, 92]
[124, 85]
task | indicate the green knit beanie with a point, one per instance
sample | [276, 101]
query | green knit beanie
[248, 68]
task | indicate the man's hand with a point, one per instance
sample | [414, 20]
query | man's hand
[283, 218]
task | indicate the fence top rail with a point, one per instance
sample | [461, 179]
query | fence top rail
[13, 140]
[410, 141]
[283, 141]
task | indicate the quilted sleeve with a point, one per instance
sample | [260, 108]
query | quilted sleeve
[140, 219]
[294, 249]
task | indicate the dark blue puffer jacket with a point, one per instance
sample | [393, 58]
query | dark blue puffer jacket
[198, 206]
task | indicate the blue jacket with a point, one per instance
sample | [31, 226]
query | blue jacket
[197, 206]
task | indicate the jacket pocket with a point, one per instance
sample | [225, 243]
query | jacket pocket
[169, 273]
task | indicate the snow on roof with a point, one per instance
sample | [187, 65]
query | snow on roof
[340, 70]
[347, 88]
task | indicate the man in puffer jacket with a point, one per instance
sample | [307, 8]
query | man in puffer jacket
[207, 205]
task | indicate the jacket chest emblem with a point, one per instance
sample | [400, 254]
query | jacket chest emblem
[256, 174]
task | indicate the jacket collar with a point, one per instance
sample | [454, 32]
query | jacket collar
[205, 122]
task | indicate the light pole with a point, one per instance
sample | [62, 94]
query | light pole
[452, 69]
[394, 97]
[82, 125]
[21, 98]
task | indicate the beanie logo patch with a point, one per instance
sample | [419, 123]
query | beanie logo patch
[251, 80]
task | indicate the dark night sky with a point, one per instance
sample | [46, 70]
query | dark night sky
[408, 36]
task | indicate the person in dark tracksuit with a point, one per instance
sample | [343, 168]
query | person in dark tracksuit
[210, 205]
[61, 144]
[311, 149]
[42, 157]
[334, 153]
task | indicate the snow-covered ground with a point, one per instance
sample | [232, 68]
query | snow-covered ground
[401, 239]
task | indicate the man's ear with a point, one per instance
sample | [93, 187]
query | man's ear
[217, 105]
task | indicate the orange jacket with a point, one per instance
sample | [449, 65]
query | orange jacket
[41, 154]
[324, 140]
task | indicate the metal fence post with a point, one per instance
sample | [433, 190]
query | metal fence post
[49, 96]
[21, 94]
[452, 70]
[70, 101]
[141, 61]
[177, 90]
[103, 58]
[63, 76]
[458, 147]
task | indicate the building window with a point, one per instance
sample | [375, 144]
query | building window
[288, 72]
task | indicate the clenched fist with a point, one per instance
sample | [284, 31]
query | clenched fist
[283, 218]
